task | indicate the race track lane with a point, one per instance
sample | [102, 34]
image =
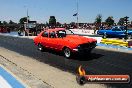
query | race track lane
[99, 62]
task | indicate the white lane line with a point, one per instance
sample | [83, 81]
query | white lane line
[4, 83]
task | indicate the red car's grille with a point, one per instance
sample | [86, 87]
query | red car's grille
[88, 45]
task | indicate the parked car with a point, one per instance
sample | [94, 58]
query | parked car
[115, 32]
[64, 40]
[3, 29]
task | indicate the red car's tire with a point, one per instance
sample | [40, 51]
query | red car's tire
[40, 47]
[67, 52]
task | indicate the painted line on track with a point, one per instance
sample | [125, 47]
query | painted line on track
[9, 80]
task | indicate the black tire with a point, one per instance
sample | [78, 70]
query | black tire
[67, 52]
[40, 47]
[104, 35]
[129, 36]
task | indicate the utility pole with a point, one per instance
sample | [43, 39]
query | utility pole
[26, 23]
[126, 26]
[77, 15]
[27, 26]
[27, 17]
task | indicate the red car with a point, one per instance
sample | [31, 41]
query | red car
[64, 40]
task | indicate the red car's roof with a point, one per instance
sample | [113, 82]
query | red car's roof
[56, 29]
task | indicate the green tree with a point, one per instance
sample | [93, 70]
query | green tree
[47, 24]
[0, 23]
[121, 21]
[109, 21]
[98, 19]
[52, 21]
[58, 24]
[11, 22]
[22, 20]
[4, 22]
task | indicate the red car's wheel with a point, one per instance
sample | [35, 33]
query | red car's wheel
[40, 47]
[67, 52]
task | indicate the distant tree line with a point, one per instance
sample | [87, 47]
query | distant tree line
[6, 23]
[109, 21]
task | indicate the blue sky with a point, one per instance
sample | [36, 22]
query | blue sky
[63, 10]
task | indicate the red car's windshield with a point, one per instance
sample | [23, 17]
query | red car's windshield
[63, 33]
[69, 32]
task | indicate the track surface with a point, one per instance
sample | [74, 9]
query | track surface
[101, 61]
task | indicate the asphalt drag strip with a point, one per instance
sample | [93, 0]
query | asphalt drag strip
[100, 61]
[38, 74]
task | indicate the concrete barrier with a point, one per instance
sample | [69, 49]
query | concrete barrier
[83, 31]
[87, 33]
[118, 42]
[97, 38]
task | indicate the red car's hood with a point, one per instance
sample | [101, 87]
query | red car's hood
[79, 39]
